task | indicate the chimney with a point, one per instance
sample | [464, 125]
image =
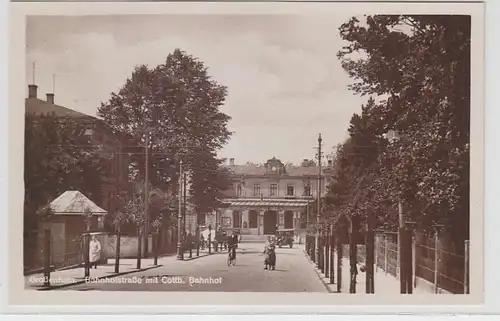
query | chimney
[32, 93]
[330, 162]
[231, 162]
[50, 98]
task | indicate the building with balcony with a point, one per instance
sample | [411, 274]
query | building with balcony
[268, 197]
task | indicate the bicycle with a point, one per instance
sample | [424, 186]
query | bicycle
[231, 256]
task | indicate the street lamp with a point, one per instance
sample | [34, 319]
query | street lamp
[87, 212]
[210, 239]
[180, 250]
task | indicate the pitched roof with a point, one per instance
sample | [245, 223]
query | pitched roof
[74, 203]
[38, 107]
[35, 106]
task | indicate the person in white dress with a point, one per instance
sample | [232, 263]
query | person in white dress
[94, 252]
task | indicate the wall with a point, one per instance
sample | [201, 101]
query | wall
[227, 216]
[128, 246]
[282, 182]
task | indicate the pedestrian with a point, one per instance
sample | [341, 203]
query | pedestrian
[202, 241]
[94, 251]
[270, 254]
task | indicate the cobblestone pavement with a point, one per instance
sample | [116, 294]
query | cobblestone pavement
[294, 273]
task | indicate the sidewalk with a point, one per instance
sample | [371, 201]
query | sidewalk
[63, 278]
[68, 277]
[385, 284]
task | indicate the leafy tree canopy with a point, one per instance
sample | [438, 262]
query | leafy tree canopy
[419, 68]
[58, 158]
[177, 103]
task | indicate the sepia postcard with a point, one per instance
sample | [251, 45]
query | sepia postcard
[231, 155]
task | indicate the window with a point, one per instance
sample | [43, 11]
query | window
[307, 189]
[100, 222]
[239, 189]
[201, 219]
[253, 219]
[236, 219]
[256, 189]
[290, 190]
[273, 191]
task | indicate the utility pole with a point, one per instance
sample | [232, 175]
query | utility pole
[180, 250]
[402, 250]
[319, 175]
[184, 199]
[318, 210]
[146, 200]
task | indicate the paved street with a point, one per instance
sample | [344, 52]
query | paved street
[294, 273]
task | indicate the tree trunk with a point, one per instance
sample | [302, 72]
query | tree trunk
[340, 254]
[139, 248]
[353, 256]
[117, 251]
[370, 252]
[332, 261]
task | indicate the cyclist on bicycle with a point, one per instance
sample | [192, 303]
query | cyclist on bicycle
[232, 243]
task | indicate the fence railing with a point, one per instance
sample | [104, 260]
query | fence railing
[387, 256]
[436, 263]
[62, 254]
[444, 269]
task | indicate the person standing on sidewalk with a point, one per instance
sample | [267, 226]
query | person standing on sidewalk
[94, 252]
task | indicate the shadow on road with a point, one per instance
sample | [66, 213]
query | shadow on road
[277, 270]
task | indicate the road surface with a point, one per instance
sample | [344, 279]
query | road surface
[294, 273]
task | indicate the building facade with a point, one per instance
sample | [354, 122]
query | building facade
[99, 135]
[268, 197]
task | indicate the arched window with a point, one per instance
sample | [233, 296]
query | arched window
[288, 219]
[307, 189]
[253, 217]
[236, 219]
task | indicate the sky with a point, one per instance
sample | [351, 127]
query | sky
[285, 82]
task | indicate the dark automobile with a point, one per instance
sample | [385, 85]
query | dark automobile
[285, 237]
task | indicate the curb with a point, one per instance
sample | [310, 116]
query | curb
[52, 287]
[195, 257]
[319, 274]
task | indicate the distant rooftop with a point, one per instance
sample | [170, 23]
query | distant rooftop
[261, 170]
[37, 106]
[267, 168]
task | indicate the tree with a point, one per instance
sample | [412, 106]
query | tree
[133, 212]
[208, 182]
[177, 103]
[308, 163]
[58, 157]
[421, 64]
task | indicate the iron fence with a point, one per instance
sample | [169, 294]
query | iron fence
[444, 269]
[387, 255]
